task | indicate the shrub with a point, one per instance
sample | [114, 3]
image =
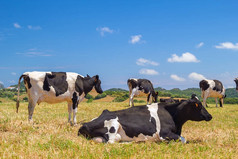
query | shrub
[25, 99]
[99, 96]
[90, 100]
[121, 98]
[88, 96]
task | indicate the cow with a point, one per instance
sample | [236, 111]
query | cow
[167, 100]
[236, 81]
[56, 87]
[155, 122]
[143, 85]
[212, 88]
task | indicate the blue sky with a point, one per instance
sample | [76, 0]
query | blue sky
[173, 43]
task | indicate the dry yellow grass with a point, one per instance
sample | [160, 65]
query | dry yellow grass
[52, 137]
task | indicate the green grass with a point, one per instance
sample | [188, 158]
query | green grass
[52, 137]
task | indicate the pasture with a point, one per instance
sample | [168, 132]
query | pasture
[52, 137]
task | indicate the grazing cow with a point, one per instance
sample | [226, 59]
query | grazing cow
[236, 81]
[143, 85]
[55, 87]
[167, 100]
[212, 88]
[153, 122]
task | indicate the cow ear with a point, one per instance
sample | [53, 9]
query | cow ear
[196, 104]
[96, 78]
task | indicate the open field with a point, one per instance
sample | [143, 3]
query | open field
[52, 137]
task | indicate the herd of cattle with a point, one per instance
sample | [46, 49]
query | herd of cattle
[153, 122]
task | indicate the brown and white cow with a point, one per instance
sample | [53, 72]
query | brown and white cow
[212, 88]
[56, 87]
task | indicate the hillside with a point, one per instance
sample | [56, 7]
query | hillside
[1, 86]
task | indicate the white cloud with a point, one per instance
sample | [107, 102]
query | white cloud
[14, 73]
[12, 82]
[200, 44]
[145, 71]
[34, 27]
[34, 53]
[227, 45]
[16, 25]
[143, 62]
[1, 82]
[135, 39]
[177, 78]
[196, 76]
[104, 30]
[186, 57]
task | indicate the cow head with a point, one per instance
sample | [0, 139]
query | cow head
[155, 97]
[97, 84]
[236, 81]
[96, 127]
[194, 110]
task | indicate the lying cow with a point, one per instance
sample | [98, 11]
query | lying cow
[153, 122]
[143, 85]
[236, 81]
[212, 88]
[55, 87]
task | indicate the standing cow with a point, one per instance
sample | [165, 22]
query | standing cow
[212, 88]
[236, 81]
[153, 122]
[143, 85]
[55, 87]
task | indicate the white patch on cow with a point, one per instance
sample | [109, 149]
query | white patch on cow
[134, 79]
[153, 108]
[114, 136]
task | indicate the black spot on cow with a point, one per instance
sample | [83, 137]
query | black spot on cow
[203, 85]
[144, 124]
[27, 81]
[218, 86]
[57, 80]
[75, 100]
[112, 130]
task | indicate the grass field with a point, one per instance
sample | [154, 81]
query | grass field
[52, 137]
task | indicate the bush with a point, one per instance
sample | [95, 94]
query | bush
[121, 98]
[88, 96]
[90, 100]
[99, 96]
[25, 99]
[0, 101]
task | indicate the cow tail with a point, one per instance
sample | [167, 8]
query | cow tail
[19, 82]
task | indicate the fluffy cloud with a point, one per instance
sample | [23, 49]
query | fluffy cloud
[177, 78]
[103, 30]
[34, 27]
[200, 44]
[186, 57]
[227, 45]
[135, 39]
[16, 25]
[148, 72]
[196, 76]
[13, 73]
[143, 62]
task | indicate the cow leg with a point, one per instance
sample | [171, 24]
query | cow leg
[70, 108]
[113, 127]
[132, 96]
[31, 107]
[216, 101]
[149, 100]
[221, 102]
[172, 136]
[205, 96]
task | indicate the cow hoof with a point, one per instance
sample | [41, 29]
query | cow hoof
[99, 139]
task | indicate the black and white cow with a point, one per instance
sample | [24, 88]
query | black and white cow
[212, 88]
[236, 81]
[55, 87]
[155, 122]
[167, 100]
[143, 85]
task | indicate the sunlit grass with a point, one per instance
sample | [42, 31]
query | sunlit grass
[51, 136]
